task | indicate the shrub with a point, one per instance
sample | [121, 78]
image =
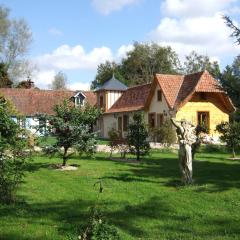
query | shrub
[164, 134]
[98, 228]
[12, 154]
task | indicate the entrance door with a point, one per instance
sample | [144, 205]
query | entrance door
[203, 119]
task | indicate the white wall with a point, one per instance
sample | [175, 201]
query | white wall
[112, 97]
[157, 106]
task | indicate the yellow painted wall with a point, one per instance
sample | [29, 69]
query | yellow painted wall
[212, 104]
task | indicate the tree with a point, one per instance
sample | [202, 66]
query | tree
[235, 29]
[230, 81]
[15, 39]
[5, 81]
[72, 127]
[12, 154]
[145, 60]
[230, 134]
[196, 62]
[140, 65]
[137, 136]
[104, 72]
[59, 82]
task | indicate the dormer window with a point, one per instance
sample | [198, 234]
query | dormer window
[79, 99]
[159, 95]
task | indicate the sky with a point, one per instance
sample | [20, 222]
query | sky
[75, 36]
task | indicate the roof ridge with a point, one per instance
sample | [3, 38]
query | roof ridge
[183, 76]
[38, 90]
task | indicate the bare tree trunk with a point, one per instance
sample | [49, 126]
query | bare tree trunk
[65, 157]
[233, 152]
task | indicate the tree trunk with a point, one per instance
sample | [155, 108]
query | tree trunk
[138, 154]
[65, 157]
[233, 152]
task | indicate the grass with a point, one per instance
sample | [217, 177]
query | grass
[144, 201]
[49, 140]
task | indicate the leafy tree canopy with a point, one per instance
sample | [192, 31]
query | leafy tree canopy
[147, 59]
[12, 153]
[59, 81]
[195, 62]
[15, 40]
[72, 127]
[5, 81]
[140, 64]
[105, 72]
[230, 134]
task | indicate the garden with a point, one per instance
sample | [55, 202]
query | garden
[140, 196]
[143, 200]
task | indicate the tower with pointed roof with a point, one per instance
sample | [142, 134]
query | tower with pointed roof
[109, 93]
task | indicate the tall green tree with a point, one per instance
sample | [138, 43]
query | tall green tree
[195, 62]
[230, 81]
[235, 29]
[145, 60]
[15, 40]
[59, 82]
[137, 136]
[72, 127]
[105, 71]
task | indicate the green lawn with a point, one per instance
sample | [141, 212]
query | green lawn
[144, 201]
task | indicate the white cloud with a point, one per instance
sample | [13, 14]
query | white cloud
[66, 58]
[193, 8]
[195, 25]
[43, 78]
[122, 51]
[79, 86]
[55, 32]
[107, 6]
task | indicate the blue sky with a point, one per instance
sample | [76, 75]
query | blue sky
[75, 36]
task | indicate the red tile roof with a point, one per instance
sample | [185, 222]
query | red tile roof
[177, 90]
[196, 82]
[170, 86]
[132, 99]
[29, 102]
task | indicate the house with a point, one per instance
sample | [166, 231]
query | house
[195, 97]
[30, 102]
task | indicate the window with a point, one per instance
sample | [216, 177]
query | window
[79, 101]
[125, 122]
[151, 120]
[160, 120]
[203, 96]
[159, 95]
[203, 119]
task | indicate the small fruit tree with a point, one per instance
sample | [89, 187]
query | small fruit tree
[230, 134]
[137, 136]
[73, 128]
